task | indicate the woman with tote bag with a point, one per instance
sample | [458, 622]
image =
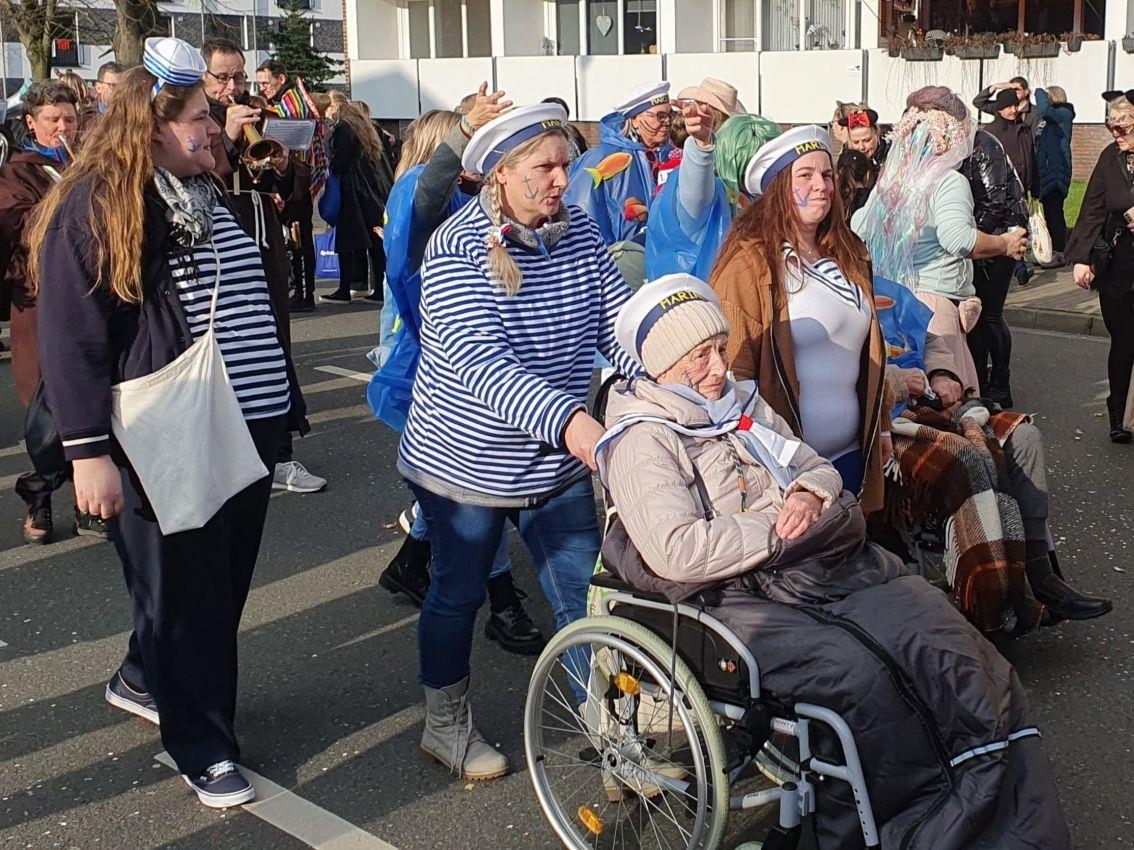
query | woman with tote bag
[170, 391]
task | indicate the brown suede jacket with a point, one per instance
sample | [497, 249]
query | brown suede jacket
[760, 348]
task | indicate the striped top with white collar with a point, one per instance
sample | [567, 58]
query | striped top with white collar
[500, 376]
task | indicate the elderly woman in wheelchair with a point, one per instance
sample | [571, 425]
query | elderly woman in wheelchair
[755, 626]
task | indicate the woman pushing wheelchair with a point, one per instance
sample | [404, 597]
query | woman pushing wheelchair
[723, 507]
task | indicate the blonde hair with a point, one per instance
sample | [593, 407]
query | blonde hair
[78, 86]
[116, 162]
[424, 136]
[1057, 95]
[1122, 109]
[350, 113]
[502, 267]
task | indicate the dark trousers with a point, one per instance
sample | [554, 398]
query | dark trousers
[1118, 315]
[188, 591]
[1056, 221]
[991, 339]
[355, 266]
[303, 259]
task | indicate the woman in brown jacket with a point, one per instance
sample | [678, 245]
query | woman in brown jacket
[795, 285]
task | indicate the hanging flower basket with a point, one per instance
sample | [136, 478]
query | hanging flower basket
[1074, 43]
[975, 51]
[1047, 50]
[1128, 43]
[923, 54]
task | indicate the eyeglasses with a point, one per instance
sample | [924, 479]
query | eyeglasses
[225, 79]
[659, 117]
[1119, 130]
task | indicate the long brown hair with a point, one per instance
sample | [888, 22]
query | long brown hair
[347, 112]
[772, 220]
[116, 161]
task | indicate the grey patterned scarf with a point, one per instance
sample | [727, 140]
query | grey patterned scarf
[189, 206]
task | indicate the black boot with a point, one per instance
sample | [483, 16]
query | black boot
[999, 390]
[509, 624]
[1063, 601]
[1119, 433]
[408, 573]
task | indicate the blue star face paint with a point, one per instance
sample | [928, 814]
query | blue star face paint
[192, 144]
[801, 200]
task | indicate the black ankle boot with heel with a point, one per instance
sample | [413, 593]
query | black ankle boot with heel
[509, 624]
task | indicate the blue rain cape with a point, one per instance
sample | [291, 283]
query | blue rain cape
[390, 390]
[603, 192]
[905, 323]
[675, 243]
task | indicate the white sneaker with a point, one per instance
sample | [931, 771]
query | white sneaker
[294, 476]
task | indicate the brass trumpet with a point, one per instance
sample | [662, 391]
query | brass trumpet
[261, 154]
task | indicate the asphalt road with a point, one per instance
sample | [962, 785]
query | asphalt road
[329, 707]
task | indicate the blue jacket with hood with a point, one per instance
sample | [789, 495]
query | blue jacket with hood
[604, 196]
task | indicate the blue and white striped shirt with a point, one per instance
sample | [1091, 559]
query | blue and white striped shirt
[245, 326]
[500, 376]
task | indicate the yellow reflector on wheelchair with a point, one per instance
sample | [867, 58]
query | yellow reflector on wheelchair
[627, 684]
[590, 820]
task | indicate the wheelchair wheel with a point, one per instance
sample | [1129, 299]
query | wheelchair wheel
[607, 777]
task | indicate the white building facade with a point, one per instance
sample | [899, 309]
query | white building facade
[86, 29]
[790, 59]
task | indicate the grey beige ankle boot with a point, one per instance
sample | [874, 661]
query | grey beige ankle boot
[451, 738]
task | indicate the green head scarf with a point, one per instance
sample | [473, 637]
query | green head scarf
[738, 140]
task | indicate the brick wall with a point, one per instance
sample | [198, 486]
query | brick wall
[1087, 143]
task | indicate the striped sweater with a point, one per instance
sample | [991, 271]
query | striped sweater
[500, 377]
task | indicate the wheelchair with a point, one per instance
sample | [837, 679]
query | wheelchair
[671, 721]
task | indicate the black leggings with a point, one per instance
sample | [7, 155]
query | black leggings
[1118, 315]
[991, 339]
[1056, 222]
[303, 260]
[354, 268]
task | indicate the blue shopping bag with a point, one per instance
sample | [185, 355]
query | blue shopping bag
[326, 260]
[331, 200]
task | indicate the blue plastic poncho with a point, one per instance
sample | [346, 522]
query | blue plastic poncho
[390, 390]
[674, 243]
[614, 182]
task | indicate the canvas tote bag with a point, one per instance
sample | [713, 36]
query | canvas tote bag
[182, 430]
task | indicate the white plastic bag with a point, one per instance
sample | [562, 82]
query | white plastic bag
[1040, 236]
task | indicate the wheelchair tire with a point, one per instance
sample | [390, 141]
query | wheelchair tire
[622, 790]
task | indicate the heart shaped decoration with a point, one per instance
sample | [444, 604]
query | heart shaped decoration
[604, 23]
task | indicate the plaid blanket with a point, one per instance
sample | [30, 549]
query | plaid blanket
[950, 470]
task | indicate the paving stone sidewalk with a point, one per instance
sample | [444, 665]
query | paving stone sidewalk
[1052, 302]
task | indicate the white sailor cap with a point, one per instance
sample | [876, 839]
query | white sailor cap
[492, 141]
[780, 153]
[642, 97]
[667, 318]
[173, 62]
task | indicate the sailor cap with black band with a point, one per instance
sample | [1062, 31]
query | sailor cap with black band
[780, 153]
[173, 62]
[643, 97]
[667, 318]
[491, 142]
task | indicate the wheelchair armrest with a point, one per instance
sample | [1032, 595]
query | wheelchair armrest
[609, 581]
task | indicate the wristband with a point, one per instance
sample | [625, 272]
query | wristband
[466, 127]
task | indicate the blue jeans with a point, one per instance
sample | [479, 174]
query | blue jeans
[563, 536]
[500, 564]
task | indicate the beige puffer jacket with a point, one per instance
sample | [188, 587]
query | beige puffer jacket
[649, 471]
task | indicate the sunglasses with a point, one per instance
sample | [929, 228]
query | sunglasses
[1119, 130]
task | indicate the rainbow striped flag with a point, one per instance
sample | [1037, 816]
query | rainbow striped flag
[297, 103]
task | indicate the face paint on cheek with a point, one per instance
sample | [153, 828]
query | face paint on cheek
[801, 200]
[192, 144]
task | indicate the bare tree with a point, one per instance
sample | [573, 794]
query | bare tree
[136, 21]
[34, 20]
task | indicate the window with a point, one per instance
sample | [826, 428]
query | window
[780, 24]
[826, 24]
[448, 29]
[602, 27]
[738, 26]
[641, 27]
[567, 28]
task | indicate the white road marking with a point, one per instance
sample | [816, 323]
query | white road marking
[361, 377]
[299, 818]
[22, 555]
[12, 451]
[2, 644]
[405, 621]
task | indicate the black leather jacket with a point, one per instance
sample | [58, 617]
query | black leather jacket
[998, 195]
